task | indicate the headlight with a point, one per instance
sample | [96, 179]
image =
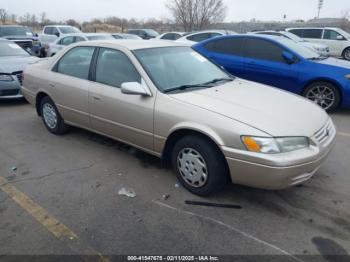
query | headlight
[274, 145]
[348, 76]
[6, 78]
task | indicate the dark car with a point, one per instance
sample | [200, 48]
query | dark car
[23, 36]
[280, 62]
[143, 33]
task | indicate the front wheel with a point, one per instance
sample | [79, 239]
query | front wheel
[199, 165]
[51, 117]
[325, 94]
[346, 54]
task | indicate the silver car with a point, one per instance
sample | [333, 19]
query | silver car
[13, 60]
[170, 101]
[66, 40]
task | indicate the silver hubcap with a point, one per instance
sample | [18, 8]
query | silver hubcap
[50, 116]
[322, 95]
[347, 54]
[192, 167]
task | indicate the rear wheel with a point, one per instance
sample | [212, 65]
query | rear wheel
[51, 117]
[199, 165]
[325, 94]
[346, 54]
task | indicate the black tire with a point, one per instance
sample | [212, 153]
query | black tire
[216, 166]
[346, 54]
[331, 89]
[60, 127]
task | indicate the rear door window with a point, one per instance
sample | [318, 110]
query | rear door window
[233, 46]
[312, 33]
[298, 32]
[76, 62]
[263, 50]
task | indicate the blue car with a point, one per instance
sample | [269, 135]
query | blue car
[282, 63]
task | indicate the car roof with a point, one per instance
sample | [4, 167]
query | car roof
[174, 32]
[83, 34]
[332, 28]
[13, 26]
[132, 44]
[59, 26]
[210, 31]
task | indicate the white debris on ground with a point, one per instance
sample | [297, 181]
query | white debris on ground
[127, 192]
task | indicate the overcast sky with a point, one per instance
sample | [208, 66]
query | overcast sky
[238, 10]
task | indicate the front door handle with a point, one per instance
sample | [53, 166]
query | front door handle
[96, 98]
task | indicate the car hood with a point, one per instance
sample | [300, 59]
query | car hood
[9, 64]
[19, 37]
[273, 111]
[335, 62]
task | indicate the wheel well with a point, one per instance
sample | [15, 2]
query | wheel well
[176, 136]
[346, 48]
[326, 81]
[38, 99]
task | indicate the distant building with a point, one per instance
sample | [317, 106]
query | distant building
[328, 20]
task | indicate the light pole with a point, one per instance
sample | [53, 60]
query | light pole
[320, 5]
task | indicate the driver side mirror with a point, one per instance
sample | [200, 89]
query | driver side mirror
[134, 88]
[57, 34]
[289, 57]
[339, 37]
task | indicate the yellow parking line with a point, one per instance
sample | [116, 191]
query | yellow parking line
[55, 227]
[343, 134]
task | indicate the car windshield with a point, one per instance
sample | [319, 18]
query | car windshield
[299, 49]
[100, 37]
[11, 49]
[172, 67]
[151, 32]
[15, 31]
[69, 30]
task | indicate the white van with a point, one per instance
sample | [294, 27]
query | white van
[60, 30]
[337, 39]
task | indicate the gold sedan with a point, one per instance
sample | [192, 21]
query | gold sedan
[168, 100]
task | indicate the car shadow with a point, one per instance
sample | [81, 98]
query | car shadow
[341, 112]
[146, 160]
[12, 102]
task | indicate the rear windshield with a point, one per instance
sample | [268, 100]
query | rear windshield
[15, 31]
[11, 49]
[100, 37]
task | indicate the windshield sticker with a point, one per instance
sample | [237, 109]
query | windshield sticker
[199, 57]
[14, 46]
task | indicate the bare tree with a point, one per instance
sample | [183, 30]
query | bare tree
[3, 16]
[43, 19]
[197, 14]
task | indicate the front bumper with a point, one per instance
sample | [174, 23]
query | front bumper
[282, 170]
[10, 89]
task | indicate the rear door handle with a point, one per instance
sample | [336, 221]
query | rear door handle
[52, 85]
[96, 98]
